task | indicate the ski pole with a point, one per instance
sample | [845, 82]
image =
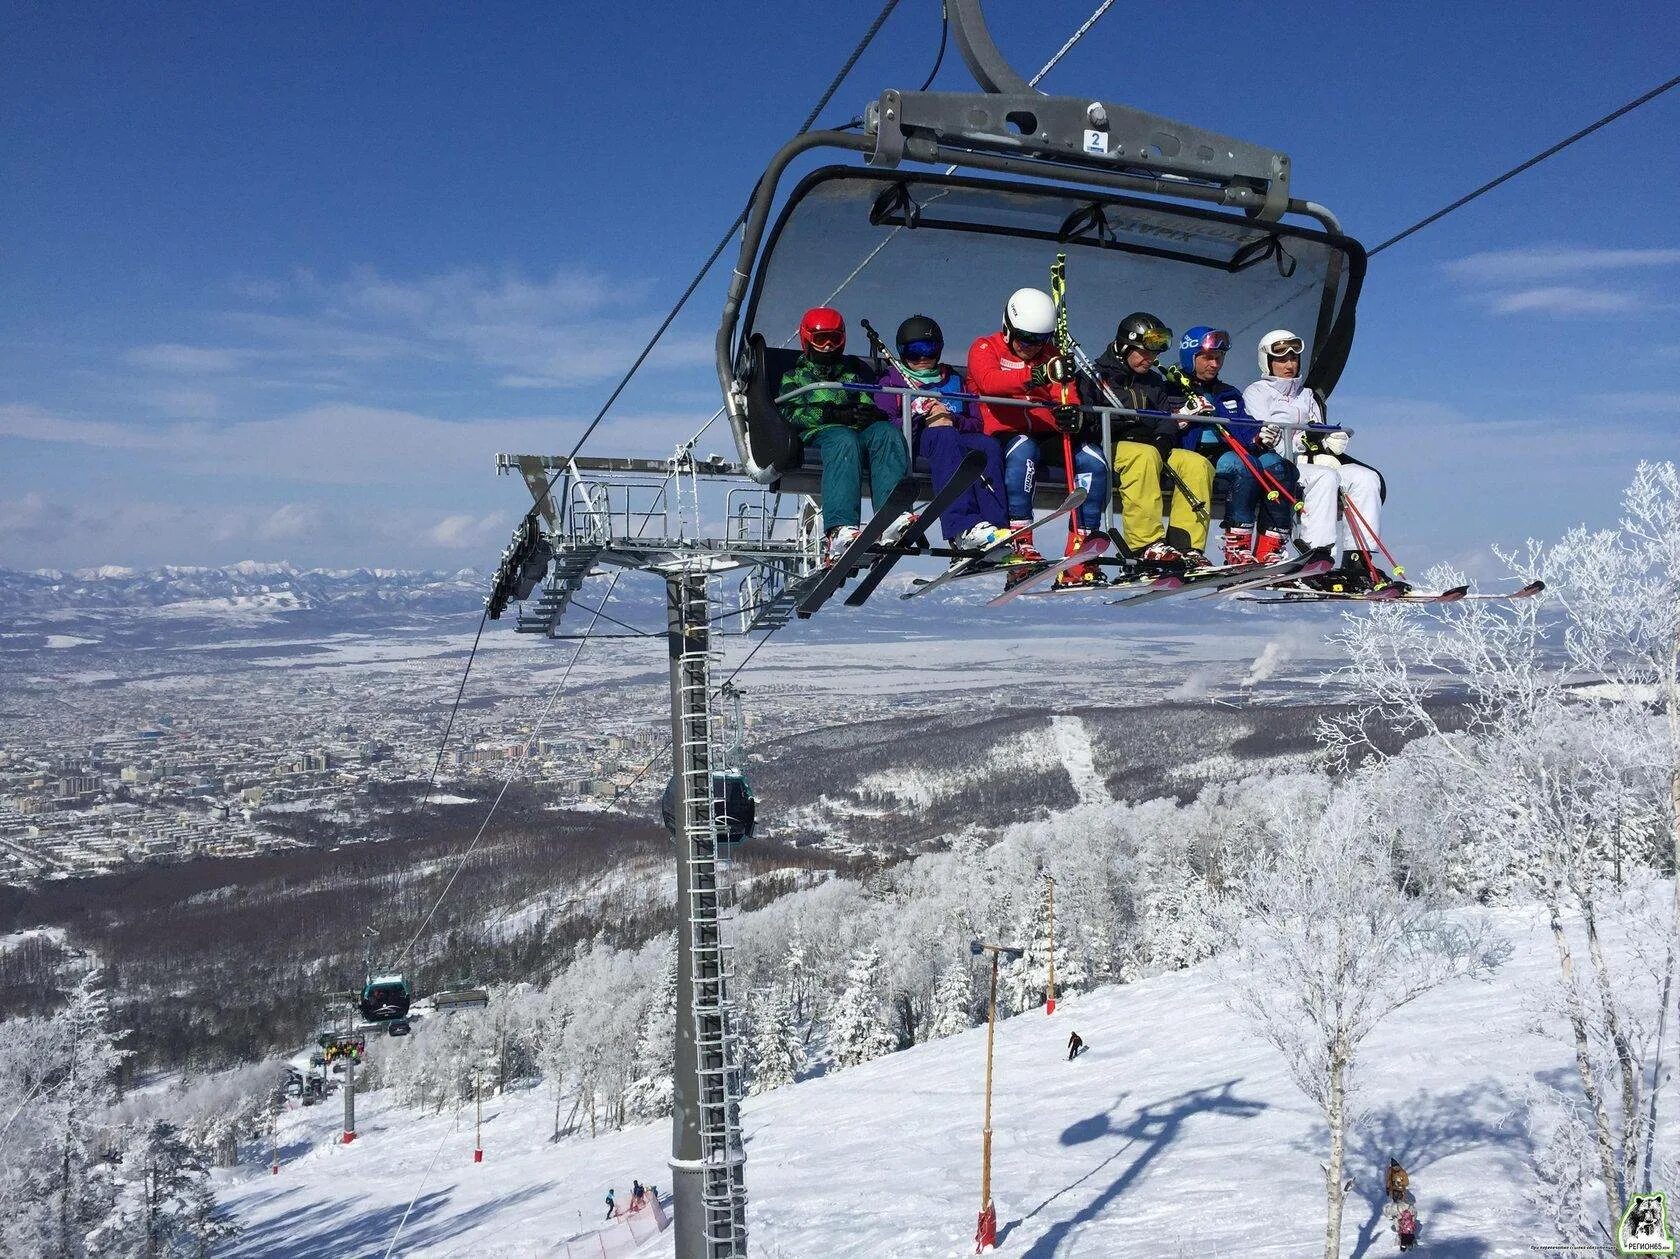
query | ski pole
[1357, 515]
[1274, 487]
[1359, 537]
[1058, 294]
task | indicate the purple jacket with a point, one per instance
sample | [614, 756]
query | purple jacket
[950, 382]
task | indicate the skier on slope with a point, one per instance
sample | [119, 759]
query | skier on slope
[845, 427]
[1253, 531]
[1075, 1044]
[945, 429]
[1327, 471]
[1145, 445]
[1021, 361]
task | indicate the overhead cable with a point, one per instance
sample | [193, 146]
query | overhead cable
[1559, 147]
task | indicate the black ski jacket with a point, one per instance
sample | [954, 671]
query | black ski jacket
[1145, 391]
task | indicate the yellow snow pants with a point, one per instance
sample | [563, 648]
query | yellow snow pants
[1137, 473]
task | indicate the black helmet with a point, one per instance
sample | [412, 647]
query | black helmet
[1142, 331]
[919, 328]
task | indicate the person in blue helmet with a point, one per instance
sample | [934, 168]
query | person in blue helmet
[944, 430]
[1255, 527]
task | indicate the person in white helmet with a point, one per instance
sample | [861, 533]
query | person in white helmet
[1280, 398]
[1021, 361]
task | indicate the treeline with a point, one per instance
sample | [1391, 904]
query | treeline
[216, 962]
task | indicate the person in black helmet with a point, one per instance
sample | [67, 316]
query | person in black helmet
[944, 429]
[1145, 444]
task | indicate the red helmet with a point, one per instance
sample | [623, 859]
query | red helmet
[823, 331]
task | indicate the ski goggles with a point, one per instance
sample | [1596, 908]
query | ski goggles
[1215, 342]
[1030, 340]
[1285, 347]
[827, 340]
[922, 349]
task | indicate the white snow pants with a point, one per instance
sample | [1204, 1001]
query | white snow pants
[1319, 488]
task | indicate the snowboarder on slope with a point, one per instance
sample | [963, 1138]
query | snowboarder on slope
[845, 426]
[1144, 445]
[1326, 470]
[945, 429]
[1075, 1044]
[1021, 361]
[1254, 532]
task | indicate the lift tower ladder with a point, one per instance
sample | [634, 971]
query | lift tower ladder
[714, 1125]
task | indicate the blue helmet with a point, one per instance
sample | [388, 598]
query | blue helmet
[1197, 339]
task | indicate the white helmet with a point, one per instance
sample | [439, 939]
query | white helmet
[1030, 311]
[1269, 346]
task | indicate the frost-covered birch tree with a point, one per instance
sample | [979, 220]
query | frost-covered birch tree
[1331, 939]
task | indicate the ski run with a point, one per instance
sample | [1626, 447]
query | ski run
[1139, 1148]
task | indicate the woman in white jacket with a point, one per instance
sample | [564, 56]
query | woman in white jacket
[1279, 398]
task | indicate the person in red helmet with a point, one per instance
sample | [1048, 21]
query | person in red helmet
[845, 426]
[1022, 361]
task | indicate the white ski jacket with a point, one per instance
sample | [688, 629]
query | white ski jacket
[1282, 400]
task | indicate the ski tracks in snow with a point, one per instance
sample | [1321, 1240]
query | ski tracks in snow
[1073, 748]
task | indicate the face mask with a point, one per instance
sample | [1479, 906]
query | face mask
[923, 375]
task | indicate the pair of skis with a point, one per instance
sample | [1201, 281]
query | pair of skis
[913, 539]
[1393, 594]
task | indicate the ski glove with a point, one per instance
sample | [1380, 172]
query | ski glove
[1337, 443]
[1268, 436]
[1069, 420]
[1055, 368]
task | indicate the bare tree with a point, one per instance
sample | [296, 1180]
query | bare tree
[1332, 936]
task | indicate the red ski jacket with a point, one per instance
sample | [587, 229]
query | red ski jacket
[994, 368]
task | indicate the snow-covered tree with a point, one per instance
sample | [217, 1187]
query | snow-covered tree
[953, 1001]
[161, 1199]
[649, 1095]
[1330, 939]
[857, 1030]
[776, 1049]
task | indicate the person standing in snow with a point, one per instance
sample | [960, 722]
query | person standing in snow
[1395, 1181]
[1075, 1044]
[846, 427]
[635, 1195]
[1021, 361]
[945, 429]
[1406, 1226]
[609, 1204]
[1326, 470]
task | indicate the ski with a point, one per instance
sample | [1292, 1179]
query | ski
[1453, 594]
[967, 473]
[1094, 546]
[901, 500]
[1223, 579]
[979, 565]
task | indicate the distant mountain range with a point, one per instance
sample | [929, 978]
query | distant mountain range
[247, 587]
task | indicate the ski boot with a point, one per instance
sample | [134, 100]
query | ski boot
[1079, 574]
[980, 541]
[1270, 546]
[1193, 559]
[1158, 557]
[835, 544]
[1025, 559]
[1238, 541]
[893, 532]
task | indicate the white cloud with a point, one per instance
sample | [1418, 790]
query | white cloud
[1567, 299]
[341, 444]
[1526, 266]
[462, 530]
[187, 360]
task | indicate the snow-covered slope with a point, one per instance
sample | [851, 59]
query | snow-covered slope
[1177, 1133]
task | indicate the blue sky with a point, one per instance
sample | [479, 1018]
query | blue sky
[279, 282]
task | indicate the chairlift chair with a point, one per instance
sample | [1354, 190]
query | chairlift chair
[1153, 214]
